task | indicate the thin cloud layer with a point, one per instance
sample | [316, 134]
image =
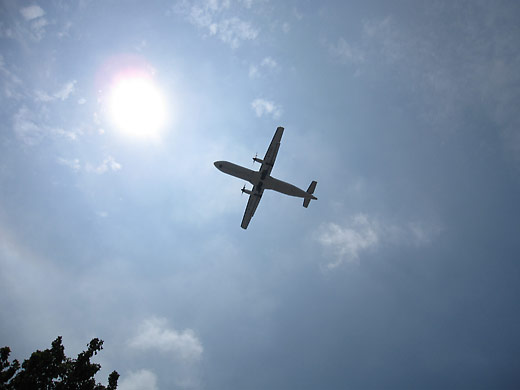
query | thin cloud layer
[395, 115]
[477, 70]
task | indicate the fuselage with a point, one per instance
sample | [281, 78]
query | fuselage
[262, 180]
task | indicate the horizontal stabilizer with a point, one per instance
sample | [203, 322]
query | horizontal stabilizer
[310, 190]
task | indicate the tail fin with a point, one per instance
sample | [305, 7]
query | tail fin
[310, 190]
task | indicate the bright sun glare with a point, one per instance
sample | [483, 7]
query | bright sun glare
[137, 107]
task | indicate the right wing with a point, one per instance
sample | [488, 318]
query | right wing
[252, 204]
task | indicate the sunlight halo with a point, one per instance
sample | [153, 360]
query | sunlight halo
[137, 107]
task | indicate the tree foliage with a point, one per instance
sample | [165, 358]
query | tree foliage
[52, 370]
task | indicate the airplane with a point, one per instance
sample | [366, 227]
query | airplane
[262, 179]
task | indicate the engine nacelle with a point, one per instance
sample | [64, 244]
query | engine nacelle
[246, 191]
[258, 160]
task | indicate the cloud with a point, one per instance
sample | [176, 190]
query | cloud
[218, 19]
[26, 128]
[362, 233]
[138, 380]
[265, 107]
[345, 53]
[234, 30]
[108, 163]
[266, 63]
[62, 94]
[29, 127]
[153, 333]
[297, 13]
[42, 96]
[269, 62]
[347, 242]
[65, 30]
[470, 64]
[66, 90]
[32, 12]
[253, 71]
[34, 15]
[11, 83]
[72, 164]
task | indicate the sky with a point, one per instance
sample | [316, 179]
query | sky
[115, 224]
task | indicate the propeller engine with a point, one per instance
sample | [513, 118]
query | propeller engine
[246, 191]
[258, 160]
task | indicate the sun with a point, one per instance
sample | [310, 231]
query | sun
[137, 108]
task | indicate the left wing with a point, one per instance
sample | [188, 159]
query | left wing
[252, 204]
[272, 151]
[265, 169]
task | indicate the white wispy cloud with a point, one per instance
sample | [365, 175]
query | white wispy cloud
[362, 233]
[66, 90]
[65, 30]
[31, 126]
[73, 164]
[253, 71]
[348, 241]
[154, 333]
[26, 128]
[108, 164]
[43, 96]
[32, 12]
[218, 19]
[34, 15]
[62, 94]
[268, 63]
[266, 107]
[138, 380]
[345, 53]
[12, 84]
[297, 13]
[234, 30]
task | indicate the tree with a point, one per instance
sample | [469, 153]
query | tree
[52, 370]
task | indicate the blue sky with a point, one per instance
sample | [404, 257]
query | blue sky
[404, 274]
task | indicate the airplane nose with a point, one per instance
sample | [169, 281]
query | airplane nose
[218, 164]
